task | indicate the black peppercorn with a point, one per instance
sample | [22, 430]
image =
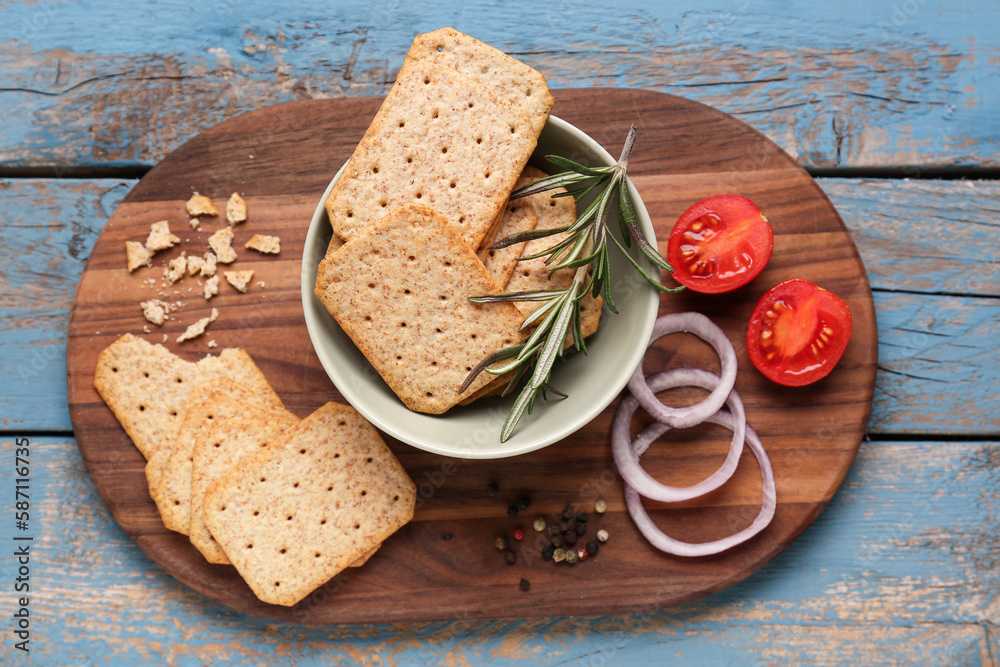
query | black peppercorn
[592, 547]
[570, 538]
[512, 511]
[523, 503]
[582, 517]
[547, 551]
[524, 584]
[581, 528]
[492, 489]
[510, 557]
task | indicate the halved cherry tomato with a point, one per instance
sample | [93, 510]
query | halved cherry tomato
[798, 332]
[719, 244]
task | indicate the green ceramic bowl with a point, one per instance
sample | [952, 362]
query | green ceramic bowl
[592, 380]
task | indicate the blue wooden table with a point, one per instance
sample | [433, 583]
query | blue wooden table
[893, 105]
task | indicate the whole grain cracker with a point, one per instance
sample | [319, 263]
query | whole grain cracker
[217, 449]
[236, 209]
[199, 205]
[195, 264]
[155, 311]
[439, 139]
[211, 264]
[401, 291]
[510, 78]
[176, 268]
[319, 498]
[218, 399]
[211, 287]
[518, 216]
[137, 255]
[147, 387]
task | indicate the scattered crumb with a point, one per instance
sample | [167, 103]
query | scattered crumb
[155, 311]
[194, 222]
[137, 255]
[260, 283]
[264, 243]
[198, 328]
[200, 205]
[211, 287]
[160, 237]
[164, 338]
[212, 343]
[221, 242]
[194, 264]
[239, 279]
[236, 209]
[145, 328]
[211, 263]
[175, 269]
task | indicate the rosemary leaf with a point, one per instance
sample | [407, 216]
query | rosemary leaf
[566, 163]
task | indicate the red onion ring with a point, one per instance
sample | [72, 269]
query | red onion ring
[664, 542]
[704, 328]
[627, 457]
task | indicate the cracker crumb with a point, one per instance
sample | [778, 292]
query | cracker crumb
[137, 255]
[236, 209]
[221, 242]
[260, 283]
[175, 269]
[160, 237]
[211, 264]
[194, 264]
[155, 311]
[198, 328]
[194, 222]
[212, 343]
[164, 338]
[239, 279]
[200, 205]
[145, 328]
[263, 243]
[211, 287]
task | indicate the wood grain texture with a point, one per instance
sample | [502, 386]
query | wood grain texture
[900, 569]
[812, 433]
[854, 83]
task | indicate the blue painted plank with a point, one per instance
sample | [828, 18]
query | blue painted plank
[901, 568]
[854, 83]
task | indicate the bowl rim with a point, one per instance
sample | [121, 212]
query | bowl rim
[314, 309]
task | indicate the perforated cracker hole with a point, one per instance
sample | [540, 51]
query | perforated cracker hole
[528, 92]
[440, 48]
[249, 546]
[513, 130]
[369, 459]
[357, 526]
[316, 554]
[341, 423]
[395, 498]
[371, 285]
[444, 149]
[471, 104]
[406, 291]
[368, 318]
[283, 550]
[427, 80]
[374, 170]
[402, 324]
[461, 219]
[350, 214]
[486, 175]
[142, 408]
[419, 195]
[402, 123]
[479, 140]
[145, 374]
[453, 184]
[289, 517]
[383, 203]
[485, 69]
[114, 369]
[322, 522]
[409, 159]
[256, 512]
[364, 493]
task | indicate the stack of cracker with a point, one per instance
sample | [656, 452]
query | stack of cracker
[288, 502]
[414, 211]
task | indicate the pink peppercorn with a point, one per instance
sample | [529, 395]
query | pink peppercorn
[518, 534]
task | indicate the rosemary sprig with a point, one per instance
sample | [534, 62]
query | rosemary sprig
[585, 251]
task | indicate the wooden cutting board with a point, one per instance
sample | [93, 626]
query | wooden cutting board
[443, 564]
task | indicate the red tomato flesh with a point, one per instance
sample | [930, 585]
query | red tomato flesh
[798, 332]
[720, 243]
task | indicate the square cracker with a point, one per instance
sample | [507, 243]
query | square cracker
[324, 494]
[508, 77]
[518, 216]
[217, 450]
[439, 139]
[172, 493]
[147, 387]
[401, 292]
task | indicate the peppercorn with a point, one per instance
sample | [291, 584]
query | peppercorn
[556, 541]
[539, 524]
[602, 535]
[492, 489]
[601, 506]
[567, 514]
[512, 511]
[582, 553]
[523, 503]
[501, 543]
[510, 557]
[559, 555]
[582, 517]
[572, 556]
[547, 551]
[553, 531]
[524, 585]
[518, 534]
[570, 537]
[592, 548]
[581, 528]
